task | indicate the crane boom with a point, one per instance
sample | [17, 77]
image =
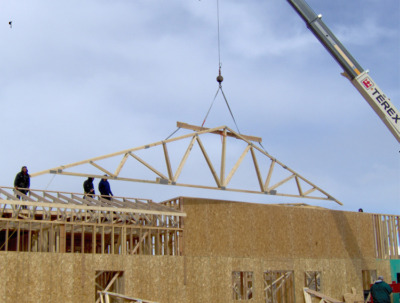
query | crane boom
[359, 77]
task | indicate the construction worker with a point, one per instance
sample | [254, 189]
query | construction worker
[105, 189]
[88, 187]
[380, 291]
[22, 181]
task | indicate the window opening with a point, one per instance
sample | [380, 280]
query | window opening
[313, 280]
[242, 285]
[112, 281]
[368, 277]
[279, 286]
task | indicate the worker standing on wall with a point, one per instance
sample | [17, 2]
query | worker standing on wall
[22, 181]
[105, 189]
[88, 187]
[380, 291]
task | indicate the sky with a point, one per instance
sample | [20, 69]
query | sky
[81, 79]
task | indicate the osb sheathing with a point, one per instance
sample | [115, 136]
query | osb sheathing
[220, 237]
[222, 228]
[339, 244]
[51, 277]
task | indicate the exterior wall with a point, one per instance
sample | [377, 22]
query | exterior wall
[221, 228]
[339, 244]
[51, 277]
[220, 237]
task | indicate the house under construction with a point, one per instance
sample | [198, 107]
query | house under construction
[68, 247]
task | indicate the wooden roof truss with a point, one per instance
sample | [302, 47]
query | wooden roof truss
[221, 177]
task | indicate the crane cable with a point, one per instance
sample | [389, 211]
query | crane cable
[220, 78]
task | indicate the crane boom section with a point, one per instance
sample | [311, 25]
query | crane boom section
[379, 102]
[353, 70]
[327, 38]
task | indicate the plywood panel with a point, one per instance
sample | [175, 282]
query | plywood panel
[12, 275]
[365, 234]
[3, 277]
[220, 237]
[37, 268]
[162, 278]
[133, 272]
[348, 231]
[219, 221]
[221, 279]
[67, 284]
[252, 230]
[318, 234]
[196, 237]
[54, 282]
[301, 233]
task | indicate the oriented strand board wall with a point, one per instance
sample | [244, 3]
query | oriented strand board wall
[234, 229]
[69, 278]
[220, 237]
[52, 277]
[339, 244]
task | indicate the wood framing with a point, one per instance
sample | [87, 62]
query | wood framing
[289, 184]
[242, 285]
[313, 280]
[107, 296]
[108, 281]
[269, 248]
[45, 221]
[368, 277]
[387, 236]
[279, 286]
[309, 293]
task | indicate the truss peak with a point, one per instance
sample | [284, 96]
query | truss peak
[225, 165]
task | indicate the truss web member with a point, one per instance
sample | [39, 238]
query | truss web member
[105, 189]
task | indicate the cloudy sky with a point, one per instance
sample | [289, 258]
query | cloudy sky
[81, 79]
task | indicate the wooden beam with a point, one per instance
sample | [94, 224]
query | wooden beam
[309, 191]
[271, 169]
[167, 161]
[281, 182]
[121, 164]
[299, 186]
[101, 168]
[147, 165]
[141, 239]
[214, 173]
[183, 161]
[221, 180]
[116, 295]
[59, 169]
[236, 166]
[321, 295]
[219, 132]
[223, 158]
[259, 177]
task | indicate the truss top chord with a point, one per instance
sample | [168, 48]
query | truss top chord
[219, 132]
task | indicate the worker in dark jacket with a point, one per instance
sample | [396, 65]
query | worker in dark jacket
[105, 189]
[88, 187]
[380, 291]
[22, 181]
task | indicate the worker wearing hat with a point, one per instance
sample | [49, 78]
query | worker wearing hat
[381, 291]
